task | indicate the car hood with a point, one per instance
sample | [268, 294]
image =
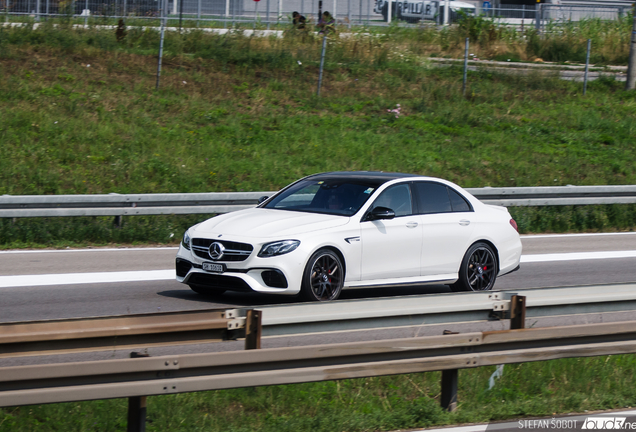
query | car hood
[265, 223]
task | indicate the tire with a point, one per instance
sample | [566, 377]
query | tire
[478, 270]
[206, 291]
[323, 277]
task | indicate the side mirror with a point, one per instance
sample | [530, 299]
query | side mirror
[262, 199]
[380, 213]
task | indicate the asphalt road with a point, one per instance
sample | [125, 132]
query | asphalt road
[40, 285]
[36, 285]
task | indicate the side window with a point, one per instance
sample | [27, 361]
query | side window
[397, 198]
[458, 203]
[432, 198]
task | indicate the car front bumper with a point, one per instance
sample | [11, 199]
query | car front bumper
[278, 274]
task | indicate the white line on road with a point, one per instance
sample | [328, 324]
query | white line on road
[131, 249]
[85, 278]
[157, 275]
[543, 236]
[577, 256]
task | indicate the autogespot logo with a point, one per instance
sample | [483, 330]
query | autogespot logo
[607, 423]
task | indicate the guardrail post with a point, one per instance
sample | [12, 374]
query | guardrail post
[449, 385]
[136, 414]
[517, 312]
[253, 329]
[137, 406]
[449, 389]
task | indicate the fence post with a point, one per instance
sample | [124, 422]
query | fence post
[465, 68]
[517, 312]
[227, 14]
[163, 11]
[630, 83]
[322, 61]
[587, 65]
[537, 17]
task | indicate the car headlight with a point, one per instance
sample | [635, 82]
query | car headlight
[186, 240]
[278, 248]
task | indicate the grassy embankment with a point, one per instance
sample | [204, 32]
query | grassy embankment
[372, 404]
[79, 114]
[238, 114]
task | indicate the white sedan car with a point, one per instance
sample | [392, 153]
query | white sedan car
[343, 230]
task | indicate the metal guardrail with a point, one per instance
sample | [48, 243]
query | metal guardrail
[25, 385]
[118, 332]
[143, 376]
[21, 339]
[428, 309]
[16, 206]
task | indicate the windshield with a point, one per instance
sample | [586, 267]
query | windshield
[342, 197]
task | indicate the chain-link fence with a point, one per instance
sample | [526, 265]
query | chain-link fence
[268, 12]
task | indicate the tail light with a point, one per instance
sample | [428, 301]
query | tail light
[514, 224]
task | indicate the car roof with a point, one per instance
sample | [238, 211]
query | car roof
[375, 177]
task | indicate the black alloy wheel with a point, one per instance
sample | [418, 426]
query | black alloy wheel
[478, 270]
[323, 278]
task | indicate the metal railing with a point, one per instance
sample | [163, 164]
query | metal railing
[19, 339]
[143, 376]
[16, 206]
[39, 384]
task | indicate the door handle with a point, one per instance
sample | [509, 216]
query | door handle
[464, 222]
[411, 224]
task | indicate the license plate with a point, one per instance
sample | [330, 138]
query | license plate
[213, 267]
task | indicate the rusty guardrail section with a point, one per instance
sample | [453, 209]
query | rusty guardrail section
[25, 385]
[99, 333]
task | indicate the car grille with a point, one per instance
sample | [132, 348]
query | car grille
[234, 251]
[219, 282]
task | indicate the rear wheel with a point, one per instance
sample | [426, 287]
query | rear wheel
[205, 290]
[478, 270]
[323, 278]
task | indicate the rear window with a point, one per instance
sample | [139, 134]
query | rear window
[438, 198]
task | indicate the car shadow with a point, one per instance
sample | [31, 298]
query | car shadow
[242, 299]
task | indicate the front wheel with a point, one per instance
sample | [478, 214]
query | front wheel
[478, 270]
[323, 278]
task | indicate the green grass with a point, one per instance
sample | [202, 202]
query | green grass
[372, 404]
[79, 115]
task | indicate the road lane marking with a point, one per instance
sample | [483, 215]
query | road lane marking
[159, 275]
[544, 236]
[142, 249]
[85, 278]
[577, 256]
